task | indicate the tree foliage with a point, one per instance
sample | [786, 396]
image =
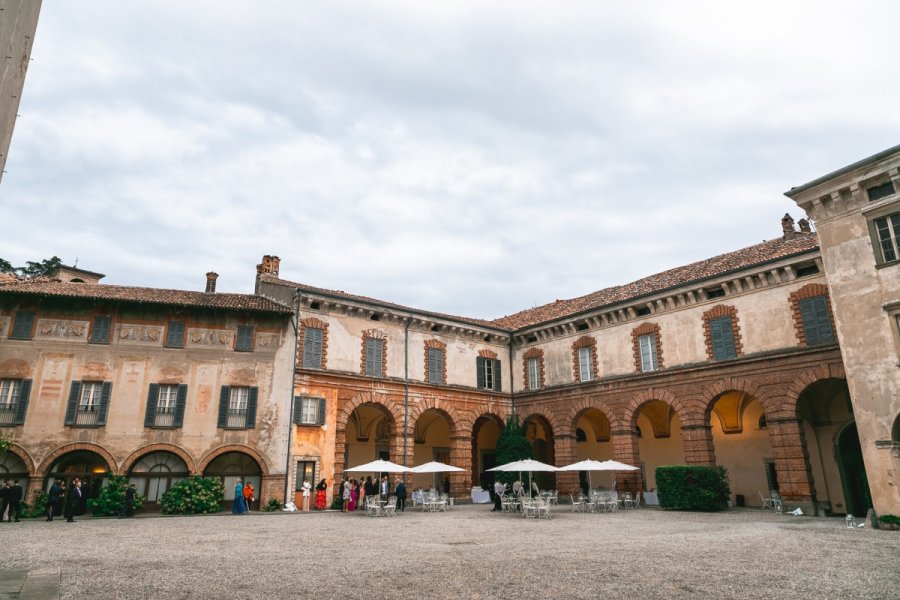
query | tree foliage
[512, 445]
[31, 269]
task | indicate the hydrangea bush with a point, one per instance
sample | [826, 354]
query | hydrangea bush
[111, 500]
[194, 496]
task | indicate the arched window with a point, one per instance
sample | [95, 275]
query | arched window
[230, 466]
[155, 473]
[763, 423]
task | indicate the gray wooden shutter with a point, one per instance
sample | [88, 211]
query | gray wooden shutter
[100, 332]
[22, 406]
[251, 408]
[497, 378]
[823, 320]
[72, 405]
[321, 415]
[435, 366]
[224, 400]
[244, 338]
[479, 367]
[22, 325]
[180, 403]
[152, 399]
[721, 334]
[297, 417]
[105, 393]
[312, 348]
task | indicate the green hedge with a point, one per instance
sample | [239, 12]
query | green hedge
[684, 487]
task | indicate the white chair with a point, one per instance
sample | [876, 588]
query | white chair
[636, 501]
[577, 505]
[766, 502]
[444, 502]
[390, 509]
[543, 509]
[371, 507]
[553, 497]
[627, 500]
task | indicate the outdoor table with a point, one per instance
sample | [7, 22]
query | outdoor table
[650, 499]
[481, 496]
[418, 497]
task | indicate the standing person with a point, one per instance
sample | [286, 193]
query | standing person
[345, 494]
[362, 492]
[385, 487]
[401, 494]
[85, 488]
[128, 506]
[15, 500]
[237, 507]
[73, 500]
[53, 498]
[498, 491]
[249, 495]
[447, 486]
[4, 499]
[371, 488]
[321, 490]
[307, 486]
[354, 494]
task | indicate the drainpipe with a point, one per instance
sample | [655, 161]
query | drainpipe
[512, 400]
[406, 388]
[296, 323]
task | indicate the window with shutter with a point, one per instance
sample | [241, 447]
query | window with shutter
[166, 404]
[22, 326]
[816, 321]
[100, 330]
[488, 376]
[649, 358]
[10, 390]
[435, 366]
[312, 348]
[244, 342]
[309, 410]
[88, 403]
[534, 374]
[374, 357]
[175, 334]
[722, 334]
[887, 230]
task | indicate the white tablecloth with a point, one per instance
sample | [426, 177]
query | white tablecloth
[650, 499]
[481, 497]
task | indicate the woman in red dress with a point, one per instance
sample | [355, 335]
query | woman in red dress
[320, 495]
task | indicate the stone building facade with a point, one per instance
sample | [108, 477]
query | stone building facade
[148, 383]
[857, 213]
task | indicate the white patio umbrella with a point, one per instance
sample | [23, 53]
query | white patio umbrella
[379, 466]
[529, 465]
[435, 467]
[597, 465]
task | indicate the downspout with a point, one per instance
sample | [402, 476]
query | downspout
[296, 323]
[406, 388]
[512, 379]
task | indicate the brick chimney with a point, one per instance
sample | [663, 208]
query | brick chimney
[269, 265]
[804, 226]
[211, 282]
[787, 226]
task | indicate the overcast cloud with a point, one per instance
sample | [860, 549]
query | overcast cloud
[475, 158]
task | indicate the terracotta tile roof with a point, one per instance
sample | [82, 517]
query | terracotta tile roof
[341, 294]
[121, 293]
[695, 272]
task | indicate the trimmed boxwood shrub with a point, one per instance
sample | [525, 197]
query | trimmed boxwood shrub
[684, 487]
[194, 496]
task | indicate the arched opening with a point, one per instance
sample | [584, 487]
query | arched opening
[853, 471]
[485, 434]
[155, 473]
[432, 442]
[368, 434]
[85, 465]
[660, 441]
[12, 467]
[825, 411]
[895, 430]
[540, 435]
[741, 442]
[229, 467]
[592, 441]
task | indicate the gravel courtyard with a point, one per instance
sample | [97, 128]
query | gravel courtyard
[466, 553]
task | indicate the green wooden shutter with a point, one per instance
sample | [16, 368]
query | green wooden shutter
[100, 332]
[479, 378]
[105, 393]
[224, 400]
[435, 366]
[251, 408]
[152, 399]
[370, 357]
[312, 348]
[497, 377]
[175, 334]
[22, 406]
[823, 320]
[72, 405]
[321, 416]
[244, 338]
[298, 410]
[722, 334]
[180, 403]
[22, 326]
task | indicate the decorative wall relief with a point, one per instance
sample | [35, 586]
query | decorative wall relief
[267, 340]
[61, 329]
[210, 337]
[139, 334]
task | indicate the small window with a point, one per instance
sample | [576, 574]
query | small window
[13, 401]
[580, 435]
[175, 334]
[642, 311]
[880, 191]
[721, 332]
[649, 356]
[763, 423]
[237, 407]
[807, 270]
[309, 410]
[244, 342]
[435, 366]
[488, 373]
[816, 321]
[716, 292]
[23, 325]
[581, 326]
[534, 373]
[888, 231]
[585, 364]
[100, 330]
[312, 347]
[374, 357]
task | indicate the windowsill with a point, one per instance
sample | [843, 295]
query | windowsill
[21, 339]
[163, 427]
[75, 426]
[236, 428]
[174, 347]
[886, 265]
[11, 424]
[243, 350]
[99, 342]
[307, 425]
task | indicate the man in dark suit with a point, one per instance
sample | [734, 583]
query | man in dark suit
[4, 499]
[15, 500]
[53, 498]
[73, 500]
[400, 491]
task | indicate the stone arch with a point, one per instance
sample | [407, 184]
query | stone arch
[95, 448]
[210, 456]
[557, 426]
[23, 454]
[485, 414]
[346, 408]
[579, 408]
[649, 395]
[435, 404]
[788, 408]
[140, 453]
[712, 393]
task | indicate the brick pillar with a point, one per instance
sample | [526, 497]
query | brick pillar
[270, 486]
[566, 453]
[698, 445]
[792, 463]
[461, 456]
[625, 450]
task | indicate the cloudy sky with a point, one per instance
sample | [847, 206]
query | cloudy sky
[475, 158]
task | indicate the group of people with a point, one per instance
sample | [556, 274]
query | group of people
[243, 497]
[70, 498]
[10, 500]
[354, 492]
